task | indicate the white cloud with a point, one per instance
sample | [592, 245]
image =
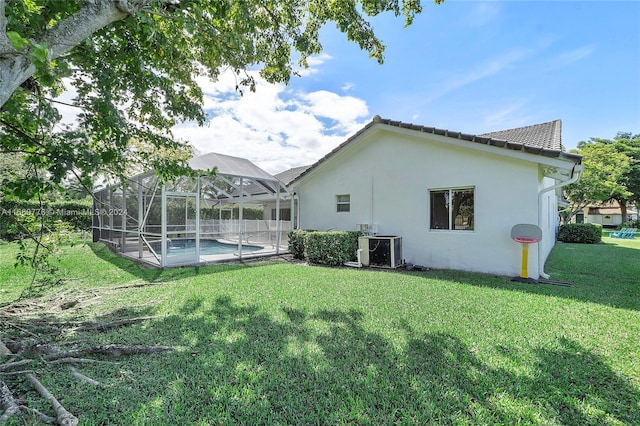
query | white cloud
[482, 13]
[507, 115]
[314, 63]
[275, 127]
[567, 58]
[482, 71]
[347, 87]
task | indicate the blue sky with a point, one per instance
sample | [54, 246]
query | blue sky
[469, 66]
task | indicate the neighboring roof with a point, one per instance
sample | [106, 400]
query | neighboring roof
[288, 176]
[544, 135]
[610, 207]
[605, 210]
[231, 166]
[540, 139]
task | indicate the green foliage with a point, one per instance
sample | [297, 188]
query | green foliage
[17, 41]
[135, 74]
[19, 219]
[611, 172]
[332, 248]
[630, 224]
[604, 167]
[296, 242]
[585, 233]
[248, 213]
[629, 145]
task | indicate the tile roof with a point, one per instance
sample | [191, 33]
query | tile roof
[540, 139]
[544, 135]
[289, 175]
[228, 165]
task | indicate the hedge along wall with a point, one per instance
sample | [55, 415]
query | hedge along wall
[324, 248]
[74, 214]
[586, 233]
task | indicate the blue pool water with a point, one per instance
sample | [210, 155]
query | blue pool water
[188, 246]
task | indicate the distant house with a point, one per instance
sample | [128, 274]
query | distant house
[609, 214]
[452, 197]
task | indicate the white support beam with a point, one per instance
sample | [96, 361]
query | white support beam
[163, 232]
[240, 233]
[278, 220]
[198, 219]
[141, 217]
[123, 217]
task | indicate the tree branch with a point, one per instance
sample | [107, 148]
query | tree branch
[8, 403]
[5, 45]
[83, 378]
[62, 415]
[10, 365]
[60, 39]
[112, 350]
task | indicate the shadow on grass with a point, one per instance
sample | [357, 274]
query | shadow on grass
[242, 365]
[604, 273]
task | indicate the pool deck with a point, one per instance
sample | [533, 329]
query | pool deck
[208, 259]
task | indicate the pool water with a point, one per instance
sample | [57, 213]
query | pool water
[207, 247]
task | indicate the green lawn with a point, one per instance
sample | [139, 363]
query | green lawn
[284, 343]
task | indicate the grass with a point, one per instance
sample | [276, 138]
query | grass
[284, 343]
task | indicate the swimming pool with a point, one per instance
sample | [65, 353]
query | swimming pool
[179, 247]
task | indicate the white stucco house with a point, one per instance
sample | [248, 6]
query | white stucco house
[452, 197]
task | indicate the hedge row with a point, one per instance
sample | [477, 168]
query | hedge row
[630, 224]
[74, 214]
[332, 248]
[586, 233]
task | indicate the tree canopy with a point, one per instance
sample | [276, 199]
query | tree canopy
[611, 172]
[133, 64]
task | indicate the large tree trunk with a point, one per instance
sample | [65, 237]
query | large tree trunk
[623, 210]
[16, 66]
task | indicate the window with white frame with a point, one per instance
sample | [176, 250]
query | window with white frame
[452, 209]
[343, 203]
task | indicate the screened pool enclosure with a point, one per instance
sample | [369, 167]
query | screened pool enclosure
[192, 221]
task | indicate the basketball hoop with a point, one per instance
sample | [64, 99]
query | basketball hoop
[525, 234]
[524, 240]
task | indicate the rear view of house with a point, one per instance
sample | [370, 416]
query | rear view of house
[452, 197]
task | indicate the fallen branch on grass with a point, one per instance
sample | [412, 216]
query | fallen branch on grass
[36, 324]
[63, 417]
[84, 378]
[71, 360]
[95, 325]
[112, 350]
[9, 365]
[8, 403]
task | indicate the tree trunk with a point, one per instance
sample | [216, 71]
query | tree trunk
[623, 210]
[16, 66]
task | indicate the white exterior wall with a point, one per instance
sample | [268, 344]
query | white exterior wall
[388, 176]
[549, 220]
[606, 219]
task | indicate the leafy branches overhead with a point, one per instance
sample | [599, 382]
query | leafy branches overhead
[133, 64]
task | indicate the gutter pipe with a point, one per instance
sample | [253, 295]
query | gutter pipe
[575, 175]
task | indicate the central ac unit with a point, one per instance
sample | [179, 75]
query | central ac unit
[382, 251]
[368, 229]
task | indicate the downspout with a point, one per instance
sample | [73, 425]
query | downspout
[575, 175]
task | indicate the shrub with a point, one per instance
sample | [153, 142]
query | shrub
[296, 242]
[586, 233]
[331, 248]
[630, 224]
[68, 214]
